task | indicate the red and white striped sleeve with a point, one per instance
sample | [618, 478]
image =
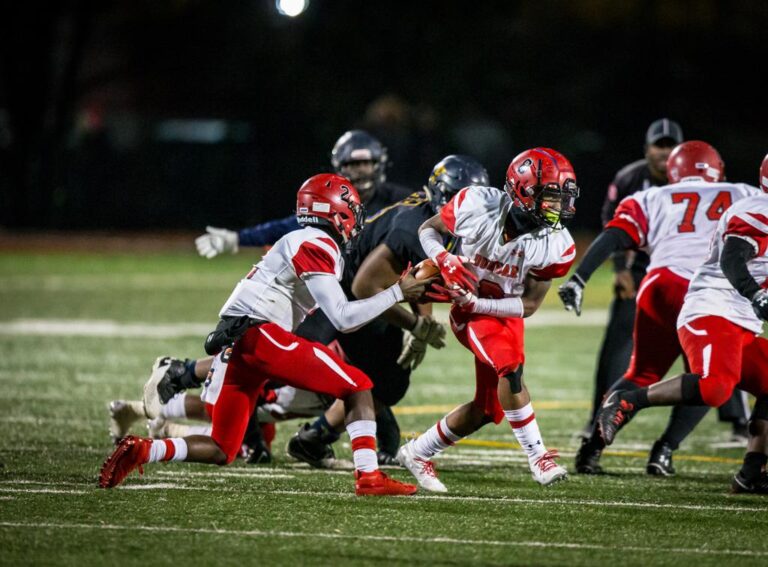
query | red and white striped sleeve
[559, 267]
[450, 211]
[630, 216]
[316, 256]
[752, 227]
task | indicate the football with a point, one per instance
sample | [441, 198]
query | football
[426, 269]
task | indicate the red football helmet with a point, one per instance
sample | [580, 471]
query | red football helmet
[330, 200]
[537, 179]
[764, 174]
[695, 159]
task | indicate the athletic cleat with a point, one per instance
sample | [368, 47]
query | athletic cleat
[614, 413]
[546, 471]
[660, 460]
[122, 415]
[131, 452]
[152, 401]
[423, 470]
[307, 447]
[157, 428]
[742, 485]
[376, 483]
[588, 459]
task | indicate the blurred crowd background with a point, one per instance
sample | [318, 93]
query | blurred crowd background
[173, 114]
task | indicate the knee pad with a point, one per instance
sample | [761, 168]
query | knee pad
[515, 379]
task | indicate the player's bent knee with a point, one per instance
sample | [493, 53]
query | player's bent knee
[715, 392]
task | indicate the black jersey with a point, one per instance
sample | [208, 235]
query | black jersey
[630, 179]
[397, 226]
[386, 194]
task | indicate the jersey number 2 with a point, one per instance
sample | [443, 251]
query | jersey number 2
[721, 202]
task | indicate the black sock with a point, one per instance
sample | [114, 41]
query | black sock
[682, 421]
[638, 398]
[188, 380]
[753, 465]
[326, 433]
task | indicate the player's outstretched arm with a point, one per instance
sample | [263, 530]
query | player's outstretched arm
[216, 241]
[733, 261]
[348, 316]
[611, 240]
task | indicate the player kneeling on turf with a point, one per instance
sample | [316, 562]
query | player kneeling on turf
[299, 273]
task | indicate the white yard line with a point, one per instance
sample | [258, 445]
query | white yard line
[109, 328]
[383, 538]
[503, 500]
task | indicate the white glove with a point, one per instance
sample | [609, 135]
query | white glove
[430, 331]
[413, 351]
[216, 241]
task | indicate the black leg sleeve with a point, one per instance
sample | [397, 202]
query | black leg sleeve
[387, 431]
[682, 421]
[735, 409]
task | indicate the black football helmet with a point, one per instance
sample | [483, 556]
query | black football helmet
[362, 159]
[451, 175]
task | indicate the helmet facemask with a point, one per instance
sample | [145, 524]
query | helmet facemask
[349, 225]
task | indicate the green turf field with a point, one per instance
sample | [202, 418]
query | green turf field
[56, 380]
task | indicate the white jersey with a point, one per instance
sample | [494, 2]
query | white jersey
[274, 290]
[674, 223]
[710, 292]
[476, 215]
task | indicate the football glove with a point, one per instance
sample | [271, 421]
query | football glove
[572, 294]
[760, 304]
[454, 272]
[460, 297]
[413, 351]
[217, 241]
[429, 330]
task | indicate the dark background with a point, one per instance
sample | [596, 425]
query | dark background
[172, 114]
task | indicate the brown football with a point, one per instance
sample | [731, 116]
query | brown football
[426, 269]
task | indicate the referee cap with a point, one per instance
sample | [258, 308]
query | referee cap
[664, 128]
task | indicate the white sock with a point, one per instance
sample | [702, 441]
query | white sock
[168, 450]
[435, 440]
[182, 430]
[174, 409]
[363, 436]
[523, 422]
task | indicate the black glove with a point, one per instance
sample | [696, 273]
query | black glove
[176, 379]
[760, 304]
[227, 332]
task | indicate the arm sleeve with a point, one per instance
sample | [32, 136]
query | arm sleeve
[268, 232]
[733, 261]
[345, 315]
[610, 240]
[431, 242]
[505, 307]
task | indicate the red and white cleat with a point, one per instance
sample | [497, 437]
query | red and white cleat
[376, 483]
[423, 470]
[546, 471]
[131, 452]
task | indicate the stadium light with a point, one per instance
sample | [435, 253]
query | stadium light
[291, 8]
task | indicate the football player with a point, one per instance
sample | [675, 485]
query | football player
[673, 224]
[257, 343]
[514, 243]
[357, 156]
[382, 349]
